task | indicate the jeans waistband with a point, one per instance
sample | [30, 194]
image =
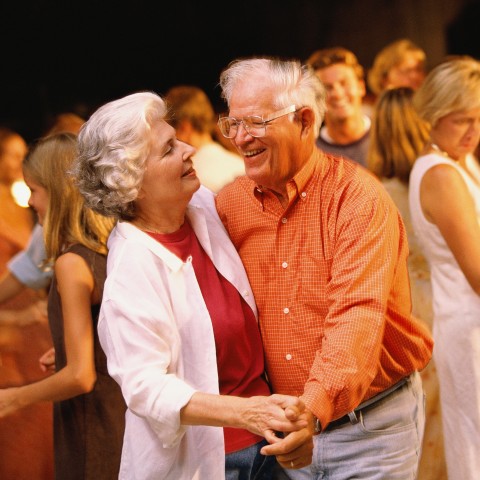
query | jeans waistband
[352, 416]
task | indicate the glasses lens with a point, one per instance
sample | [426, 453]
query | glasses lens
[228, 126]
[255, 126]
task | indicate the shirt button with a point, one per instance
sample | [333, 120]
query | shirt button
[284, 264]
[288, 356]
[284, 220]
[303, 194]
[286, 310]
[245, 293]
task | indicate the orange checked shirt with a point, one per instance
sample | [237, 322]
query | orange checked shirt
[329, 275]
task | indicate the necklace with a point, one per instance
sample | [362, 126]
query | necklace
[470, 170]
[439, 150]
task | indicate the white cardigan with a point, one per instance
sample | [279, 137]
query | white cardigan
[157, 334]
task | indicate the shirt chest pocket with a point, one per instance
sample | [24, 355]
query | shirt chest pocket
[314, 279]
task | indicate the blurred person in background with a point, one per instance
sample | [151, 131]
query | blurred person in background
[401, 63]
[191, 114]
[398, 136]
[88, 405]
[24, 335]
[16, 221]
[346, 129]
[444, 199]
[27, 268]
[65, 122]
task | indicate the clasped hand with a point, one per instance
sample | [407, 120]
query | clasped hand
[288, 426]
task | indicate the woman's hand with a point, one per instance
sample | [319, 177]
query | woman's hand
[47, 361]
[276, 413]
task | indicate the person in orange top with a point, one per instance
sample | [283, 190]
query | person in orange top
[325, 250]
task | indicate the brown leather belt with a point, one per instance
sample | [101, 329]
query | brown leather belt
[352, 416]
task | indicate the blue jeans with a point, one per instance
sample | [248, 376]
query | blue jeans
[249, 464]
[384, 445]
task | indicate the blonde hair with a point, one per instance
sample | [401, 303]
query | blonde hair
[452, 86]
[397, 135]
[67, 219]
[390, 56]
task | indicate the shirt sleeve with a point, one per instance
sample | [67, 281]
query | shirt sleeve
[364, 259]
[139, 334]
[25, 266]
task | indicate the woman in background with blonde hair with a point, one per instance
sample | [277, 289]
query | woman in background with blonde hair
[398, 64]
[398, 136]
[88, 405]
[445, 207]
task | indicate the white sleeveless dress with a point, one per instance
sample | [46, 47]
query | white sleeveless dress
[456, 328]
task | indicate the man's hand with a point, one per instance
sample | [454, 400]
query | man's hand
[295, 450]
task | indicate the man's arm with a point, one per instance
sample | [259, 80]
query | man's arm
[24, 268]
[365, 261]
[9, 287]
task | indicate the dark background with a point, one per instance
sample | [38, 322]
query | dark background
[73, 56]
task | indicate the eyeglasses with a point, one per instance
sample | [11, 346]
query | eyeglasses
[255, 125]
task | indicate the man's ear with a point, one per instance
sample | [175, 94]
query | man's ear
[307, 118]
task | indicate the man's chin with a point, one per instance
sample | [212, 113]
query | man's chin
[255, 174]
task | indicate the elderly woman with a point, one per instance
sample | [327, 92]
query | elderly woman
[178, 318]
[445, 207]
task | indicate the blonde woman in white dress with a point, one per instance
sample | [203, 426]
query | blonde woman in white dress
[444, 201]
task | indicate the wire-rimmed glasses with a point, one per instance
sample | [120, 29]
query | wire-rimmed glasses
[255, 125]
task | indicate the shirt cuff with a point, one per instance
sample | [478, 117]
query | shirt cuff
[27, 273]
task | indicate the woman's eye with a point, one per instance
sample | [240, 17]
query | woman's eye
[170, 149]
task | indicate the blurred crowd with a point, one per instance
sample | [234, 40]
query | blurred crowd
[414, 127]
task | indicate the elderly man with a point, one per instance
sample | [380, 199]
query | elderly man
[325, 251]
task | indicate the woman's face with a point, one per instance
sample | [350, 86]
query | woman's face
[458, 133]
[169, 174]
[38, 198]
[410, 72]
[12, 154]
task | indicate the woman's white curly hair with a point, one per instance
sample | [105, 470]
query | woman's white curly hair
[113, 147]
